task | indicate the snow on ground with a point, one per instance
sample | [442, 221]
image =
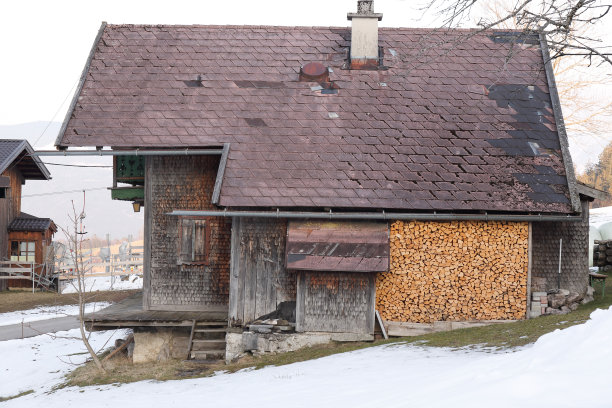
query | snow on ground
[599, 216]
[98, 283]
[47, 312]
[38, 363]
[565, 368]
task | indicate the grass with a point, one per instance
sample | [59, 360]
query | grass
[501, 336]
[21, 394]
[17, 299]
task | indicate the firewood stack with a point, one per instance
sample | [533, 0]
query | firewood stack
[602, 255]
[455, 271]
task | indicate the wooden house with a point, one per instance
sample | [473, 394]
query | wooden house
[25, 238]
[318, 175]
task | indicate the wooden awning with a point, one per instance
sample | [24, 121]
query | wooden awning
[338, 246]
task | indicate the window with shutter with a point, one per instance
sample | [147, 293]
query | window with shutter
[193, 241]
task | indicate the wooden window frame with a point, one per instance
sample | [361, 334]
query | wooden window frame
[206, 253]
[26, 252]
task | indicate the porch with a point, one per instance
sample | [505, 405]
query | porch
[129, 313]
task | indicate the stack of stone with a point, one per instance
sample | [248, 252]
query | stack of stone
[602, 255]
[557, 302]
[539, 303]
[271, 326]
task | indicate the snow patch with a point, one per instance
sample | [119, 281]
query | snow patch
[47, 312]
[100, 283]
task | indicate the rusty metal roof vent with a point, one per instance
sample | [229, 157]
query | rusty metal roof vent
[314, 72]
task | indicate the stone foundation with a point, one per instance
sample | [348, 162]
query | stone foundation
[160, 344]
[238, 344]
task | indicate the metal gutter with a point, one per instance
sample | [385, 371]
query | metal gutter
[77, 92]
[377, 215]
[136, 152]
[560, 124]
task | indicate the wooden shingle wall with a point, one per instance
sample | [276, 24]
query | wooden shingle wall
[183, 183]
[454, 271]
[574, 259]
[337, 302]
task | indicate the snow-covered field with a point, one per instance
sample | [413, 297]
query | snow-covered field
[47, 312]
[98, 283]
[566, 368]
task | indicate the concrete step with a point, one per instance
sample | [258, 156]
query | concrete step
[210, 344]
[212, 330]
[198, 323]
[207, 354]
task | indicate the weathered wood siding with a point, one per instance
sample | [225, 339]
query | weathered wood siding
[259, 280]
[339, 302]
[183, 183]
[10, 207]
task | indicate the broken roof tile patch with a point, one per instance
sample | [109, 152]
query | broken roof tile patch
[458, 118]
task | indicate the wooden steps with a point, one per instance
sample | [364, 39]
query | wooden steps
[207, 340]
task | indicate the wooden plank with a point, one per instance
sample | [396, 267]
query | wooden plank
[236, 300]
[299, 301]
[250, 284]
[381, 325]
[146, 268]
[191, 339]
[118, 349]
[371, 309]
[261, 282]
[220, 172]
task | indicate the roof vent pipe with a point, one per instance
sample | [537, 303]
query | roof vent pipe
[364, 35]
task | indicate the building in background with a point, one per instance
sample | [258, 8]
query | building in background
[24, 239]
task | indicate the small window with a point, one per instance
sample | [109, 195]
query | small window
[23, 251]
[193, 241]
[2, 192]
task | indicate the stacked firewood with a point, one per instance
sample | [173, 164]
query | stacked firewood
[454, 271]
[602, 255]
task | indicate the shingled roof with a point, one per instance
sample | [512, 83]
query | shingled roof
[28, 222]
[16, 152]
[450, 123]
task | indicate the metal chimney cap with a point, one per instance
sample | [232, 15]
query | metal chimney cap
[365, 9]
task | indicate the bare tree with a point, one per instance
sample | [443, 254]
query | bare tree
[559, 20]
[75, 236]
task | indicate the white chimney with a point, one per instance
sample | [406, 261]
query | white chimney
[364, 35]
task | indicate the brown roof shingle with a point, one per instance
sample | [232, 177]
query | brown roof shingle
[444, 127]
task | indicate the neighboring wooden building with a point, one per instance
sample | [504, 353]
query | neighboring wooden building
[16, 166]
[30, 240]
[296, 167]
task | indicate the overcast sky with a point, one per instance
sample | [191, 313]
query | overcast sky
[45, 44]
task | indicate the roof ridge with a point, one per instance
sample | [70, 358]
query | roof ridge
[250, 26]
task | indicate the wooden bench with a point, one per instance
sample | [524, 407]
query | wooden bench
[600, 278]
